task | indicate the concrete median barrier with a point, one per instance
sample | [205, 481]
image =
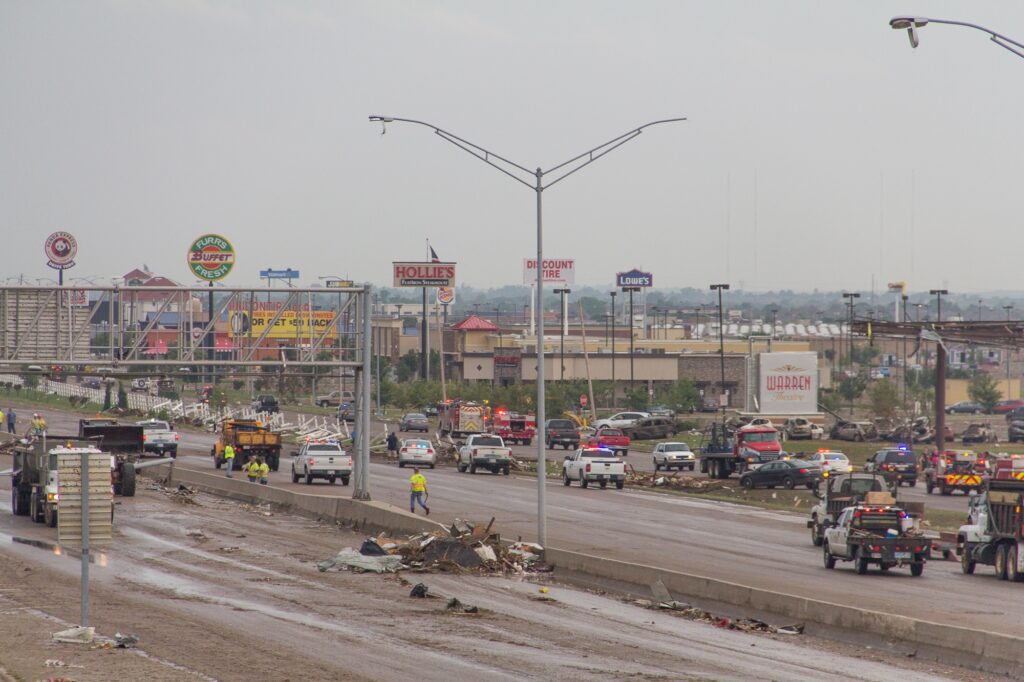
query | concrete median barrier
[985, 650]
[369, 516]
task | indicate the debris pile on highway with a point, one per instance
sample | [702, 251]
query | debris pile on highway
[673, 481]
[182, 494]
[464, 546]
[689, 612]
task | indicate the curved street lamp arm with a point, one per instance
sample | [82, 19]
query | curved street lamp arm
[997, 38]
[912, 23]
[465, 145]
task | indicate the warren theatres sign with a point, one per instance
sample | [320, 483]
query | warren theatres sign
[424, 274]
[788, 383]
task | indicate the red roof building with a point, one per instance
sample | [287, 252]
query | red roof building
[475, 323]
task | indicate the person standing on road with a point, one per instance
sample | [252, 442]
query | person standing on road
[229, 459]
[392, 445]
[11, 419]
[264, 470]
[252, 469]
[418, 491]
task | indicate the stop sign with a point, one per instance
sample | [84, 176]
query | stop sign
[583, 400]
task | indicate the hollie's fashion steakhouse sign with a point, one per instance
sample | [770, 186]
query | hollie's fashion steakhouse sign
[424, 274]
[789, 383]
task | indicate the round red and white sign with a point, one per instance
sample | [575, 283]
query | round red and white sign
[445, 295]
[61, 249]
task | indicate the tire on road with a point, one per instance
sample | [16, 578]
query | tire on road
[583, 481]
[344, 480]
[817, 538]
[565, 478]
[128, 479]
[917, 569]
[1012, 574]
[861, 562]
[966, 565]
[829, 560]
[619, 485]
[747, 483]
[788, 483]
[1000, 562]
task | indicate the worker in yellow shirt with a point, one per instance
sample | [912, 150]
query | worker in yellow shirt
[229, 459]
[418, 491]
[264, 470]
[252, 469]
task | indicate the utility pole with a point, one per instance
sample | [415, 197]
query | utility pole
[850, 296]
[938, 294]
[613, 294]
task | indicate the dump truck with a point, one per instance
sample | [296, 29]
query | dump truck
[126, 444]
[993, 534]
[35, 480]
[248, 437]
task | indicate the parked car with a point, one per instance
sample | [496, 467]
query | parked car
[651, 428]
[965, 407]
[798, 428]
[1006, 406]
[92, 383]
[662, 411]
[830, 462]
[979, 432]
[430, 410]
[561, 432]
[346, 412]
[708, 405]
[617, 421]
[334, 398]
[673, 456]
[265, 403]
[856, 431]
[789, 473]
[897, 465]
[417, 452]
[414, 421]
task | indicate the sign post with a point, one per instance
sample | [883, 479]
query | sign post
[211, 258]
[60, 249]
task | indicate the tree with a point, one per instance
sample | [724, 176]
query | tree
[983, 389]
[851, 388]
[863, 355]
[885, 399]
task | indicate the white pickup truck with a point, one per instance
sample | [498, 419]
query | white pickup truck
[159, 437]
[593, 465]
[321, 459]
[485, 451]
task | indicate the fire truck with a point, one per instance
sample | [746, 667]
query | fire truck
[460, 418]
[512, 427]
[956, 470]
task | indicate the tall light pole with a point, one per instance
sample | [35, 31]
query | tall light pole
[774, 313]
[850, 296]
[561, 313]
[911, 24]
[1008, 308]
[721, 347]
[613, 294]
[538, 184]
[938, 294]
[631, 291]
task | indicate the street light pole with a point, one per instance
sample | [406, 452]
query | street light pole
[538, 185]
[1008, 308]
[562, 293]
[721, 347]
[911, 24]
[849, 296]
[938, 294]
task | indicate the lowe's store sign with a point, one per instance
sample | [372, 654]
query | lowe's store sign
[634, 278]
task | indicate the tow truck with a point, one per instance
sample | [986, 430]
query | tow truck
[956, 470]
[514, 428]
[748, 447]
[993, 534]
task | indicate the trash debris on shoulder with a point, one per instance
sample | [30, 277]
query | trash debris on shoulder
[456, 606]
[419, 591]
[673, 481]
[76, 635]
[125, 641]
[351, 559]
[464, 547]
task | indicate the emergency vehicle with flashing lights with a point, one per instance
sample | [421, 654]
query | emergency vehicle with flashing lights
[898, 465]
[877, 532]
[513, 427]
[952, 470]
[993, 534]
[321, 458]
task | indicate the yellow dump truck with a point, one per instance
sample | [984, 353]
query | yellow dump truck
[248, 437]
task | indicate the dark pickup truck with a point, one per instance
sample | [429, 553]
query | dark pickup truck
[561, 432]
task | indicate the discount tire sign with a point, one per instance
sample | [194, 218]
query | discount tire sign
[211, 257]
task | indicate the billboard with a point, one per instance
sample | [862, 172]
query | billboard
[424, 274]
[211, 257]
[634, 278]
[788, 383]
[291, 325]
[556, 270]
[446, 295]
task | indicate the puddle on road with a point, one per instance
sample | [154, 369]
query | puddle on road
[98, 558]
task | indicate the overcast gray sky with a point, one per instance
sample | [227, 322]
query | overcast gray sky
[820, 151]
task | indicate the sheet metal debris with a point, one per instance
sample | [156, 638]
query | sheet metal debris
[673, 481]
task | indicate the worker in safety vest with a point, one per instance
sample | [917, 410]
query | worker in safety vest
[38, 424]
[252, 469]
[229, 459]
[418, 491]
[264, 470]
